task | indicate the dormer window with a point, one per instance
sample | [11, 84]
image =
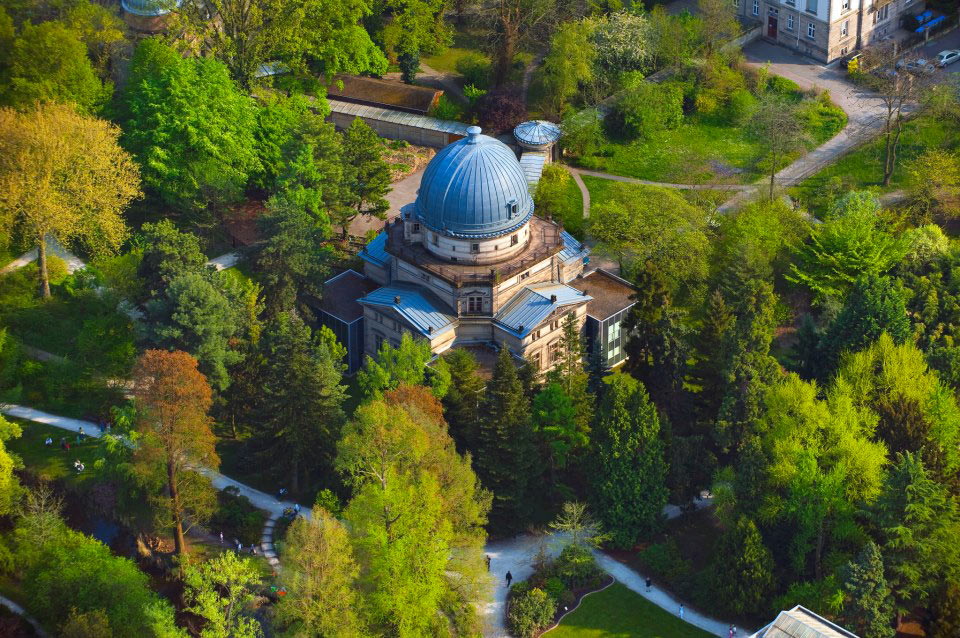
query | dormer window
[474, 248]
[434, 239]
[514, 240]
[512, 209]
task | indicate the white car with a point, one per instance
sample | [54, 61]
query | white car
[947, 57]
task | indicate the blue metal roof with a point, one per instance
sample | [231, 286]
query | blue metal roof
[397, 117]
[471, 187]
[533, 304]
[537, 132]
[420, 311]
[532, 164]
[376, 251]
[150, 7]
[572, 249]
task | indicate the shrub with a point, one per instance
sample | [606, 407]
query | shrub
[473, 94]
[551, 194]
[576, 567]
[409, 64]
[665, 561]
[501, 110]
[520, 589]
[782, 86]
[582, 132]
[554, 588]
[648, 108]
[530, 613]
[475, 69]
[740, 107]
[236, 517]
[446, 109]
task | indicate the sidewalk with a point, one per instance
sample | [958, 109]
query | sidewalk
[74, 263]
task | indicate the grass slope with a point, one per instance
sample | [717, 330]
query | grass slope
[617, 612]
[52, 463]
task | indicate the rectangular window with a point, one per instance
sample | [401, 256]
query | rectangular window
[789, 23]
[845, 6]
[434, 239]
[756, 7]
[474, 304]
[792, 3]
[811, 6]
[378, 340]
[416, 228]
[524, 275]
[811, 31]
[474, 248]
[554, 351]
[881, 14]
[554, 325]
[536, 335]
[514, 240]
[844, 29]
[535, 360]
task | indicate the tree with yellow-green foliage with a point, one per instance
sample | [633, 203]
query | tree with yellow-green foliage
[9, 487]
[64, 176]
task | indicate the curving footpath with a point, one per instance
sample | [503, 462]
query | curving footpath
[514, 555]
[20, 611]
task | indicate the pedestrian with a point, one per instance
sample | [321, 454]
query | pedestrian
[648, 582]
[734, 631]
[488, 561]
[296, 509]
[221, 538]
[49, 441]
[67, 444]
[681, 611]
[509, 578]
[63, 443]
[730, 631]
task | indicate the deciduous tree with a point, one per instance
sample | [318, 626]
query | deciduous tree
[63, 175]
[217, 590]
[776, 124]
[320, 574]
[172, 399]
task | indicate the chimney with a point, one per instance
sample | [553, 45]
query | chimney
[429, 330]
[520, 328]
[396, 299]
[553, 299]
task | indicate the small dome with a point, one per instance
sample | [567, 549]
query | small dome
[474, 188]
[537, 133]
[150, 7]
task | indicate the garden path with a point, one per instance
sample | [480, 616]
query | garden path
[646, 182]
[20, 611]
[74, 263]
[514, 555]
[225, 261]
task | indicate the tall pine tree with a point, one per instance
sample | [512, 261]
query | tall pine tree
[743, 569]
[506, 460]
[869, 608]
[463, 401]
[629, 470]
[301, 411]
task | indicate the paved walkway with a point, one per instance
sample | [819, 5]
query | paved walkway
[865, 113]
[258, 499]
[225, 261]
[646, 182]
[401, 193]
[74, 263]
[514, 555]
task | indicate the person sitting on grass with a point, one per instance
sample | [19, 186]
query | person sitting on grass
[78, 465]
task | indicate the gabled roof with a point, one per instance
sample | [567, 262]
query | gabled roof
[529, 307]
[572, 249]
[428, 315]
[382, 114]
[385, 93]
[800, 622]
[340, 294]
[376, 251]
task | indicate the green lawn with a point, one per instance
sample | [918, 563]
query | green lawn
[617, 612]
[465, 41]
[571, 210]
[863, 168]
[53, 463]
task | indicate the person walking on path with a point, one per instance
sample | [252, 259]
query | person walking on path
[221, 538]
[730, 631]
[487, 556]
[734, 631]
[648, 582]
[509, 578]
[681, 611]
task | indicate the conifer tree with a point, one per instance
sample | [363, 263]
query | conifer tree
[945, 622]
[506, 460]
[463, 401]
[743, 569]
[629, 469]
[301, 412]
[712, 347]
[571, 376]
[869, 608]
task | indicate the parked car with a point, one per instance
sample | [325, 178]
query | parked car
[920, 66]
[947, 57]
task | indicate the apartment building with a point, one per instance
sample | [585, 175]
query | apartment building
[828, 29]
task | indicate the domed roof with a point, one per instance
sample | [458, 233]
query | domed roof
[536, 132]
[474, 188]
[150, 7]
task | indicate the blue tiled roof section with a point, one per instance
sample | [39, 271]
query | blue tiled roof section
[376, 251]
[468, 189]
[572, 249]
[532, 164]
[533, 304]
[537, 132]
[150, 7]
[414, 306]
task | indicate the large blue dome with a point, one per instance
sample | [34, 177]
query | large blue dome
[474, 188]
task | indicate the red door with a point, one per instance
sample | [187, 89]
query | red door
[772, 27]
